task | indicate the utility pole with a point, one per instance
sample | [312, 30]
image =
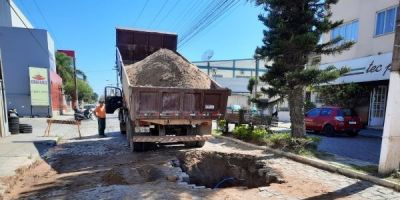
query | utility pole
[390, 148]
[75, 85]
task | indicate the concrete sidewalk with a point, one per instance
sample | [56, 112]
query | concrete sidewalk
[23, 149]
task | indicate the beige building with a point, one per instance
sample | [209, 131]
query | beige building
[370, 24]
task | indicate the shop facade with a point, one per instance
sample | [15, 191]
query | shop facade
[372, 72]
[371, 28]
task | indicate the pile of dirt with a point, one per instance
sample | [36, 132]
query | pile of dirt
[217, 169]
[165, 68]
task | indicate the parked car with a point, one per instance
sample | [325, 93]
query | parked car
[331, 120]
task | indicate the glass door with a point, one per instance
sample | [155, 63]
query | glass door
[378, 106]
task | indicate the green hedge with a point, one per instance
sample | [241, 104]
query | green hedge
[283, 141]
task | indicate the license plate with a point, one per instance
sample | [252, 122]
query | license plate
[352, 122]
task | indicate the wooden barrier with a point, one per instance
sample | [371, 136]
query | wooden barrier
[55, 121]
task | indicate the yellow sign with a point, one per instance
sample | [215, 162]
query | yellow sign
[39, 86]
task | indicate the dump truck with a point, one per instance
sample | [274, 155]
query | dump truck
[151, 115]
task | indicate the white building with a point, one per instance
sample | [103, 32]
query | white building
[235, 75]
[11, 15]
[370, 24]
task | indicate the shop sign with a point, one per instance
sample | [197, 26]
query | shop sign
[366, 69]
[39, 85]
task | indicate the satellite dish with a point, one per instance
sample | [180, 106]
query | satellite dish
[207, 55]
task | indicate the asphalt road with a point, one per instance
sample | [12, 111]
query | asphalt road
[360, 147]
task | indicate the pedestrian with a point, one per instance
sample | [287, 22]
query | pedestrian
[100, 113]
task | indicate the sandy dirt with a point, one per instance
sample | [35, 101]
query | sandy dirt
[165, 68]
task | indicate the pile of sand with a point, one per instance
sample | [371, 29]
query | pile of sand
[165, 68]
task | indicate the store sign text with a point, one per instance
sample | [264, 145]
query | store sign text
[378, 68]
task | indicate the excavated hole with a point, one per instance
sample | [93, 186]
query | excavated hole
[221, 170]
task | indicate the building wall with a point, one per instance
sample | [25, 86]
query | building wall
[3, 107]
[57, 100]
[12, 17]
[365, 12]
[20, 50]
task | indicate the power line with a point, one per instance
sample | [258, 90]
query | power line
[141, 12]
[208, 21]
[208, 10]
[158, 13]
[31, 19]
[190, 15]
[30, 31]
[45, 21]
[168, 12]
[201, 19]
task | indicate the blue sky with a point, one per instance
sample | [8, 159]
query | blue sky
[88, 27]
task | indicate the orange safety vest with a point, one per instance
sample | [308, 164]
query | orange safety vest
[100, 111]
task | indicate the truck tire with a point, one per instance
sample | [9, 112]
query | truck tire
[129, 134]
[122, 128]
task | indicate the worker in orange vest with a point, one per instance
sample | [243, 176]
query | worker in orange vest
[100, 113]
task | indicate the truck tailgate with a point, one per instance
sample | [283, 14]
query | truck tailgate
[176, 103]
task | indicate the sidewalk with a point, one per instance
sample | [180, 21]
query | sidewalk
[23, 149]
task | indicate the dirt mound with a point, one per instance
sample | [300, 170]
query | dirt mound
[217, 169]
[114, 177]
[165, 68]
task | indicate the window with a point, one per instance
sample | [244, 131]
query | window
[385, 21]
[326, 112]
[348, 31]
[313, 113]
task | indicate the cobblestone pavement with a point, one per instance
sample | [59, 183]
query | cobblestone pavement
[299, 176]
[104, 168]
[361, 148]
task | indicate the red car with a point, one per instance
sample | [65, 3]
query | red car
[331, 120]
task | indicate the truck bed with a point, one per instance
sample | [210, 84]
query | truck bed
[170, 105]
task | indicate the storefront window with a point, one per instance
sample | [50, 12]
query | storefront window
[385, 21]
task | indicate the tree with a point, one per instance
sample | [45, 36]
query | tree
[95, 97]
[66, 72]
[344, 95]
[292, 34]
[64, 67]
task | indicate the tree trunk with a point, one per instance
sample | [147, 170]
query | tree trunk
[296, 108]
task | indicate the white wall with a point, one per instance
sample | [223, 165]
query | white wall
[368, 44]
[11, 18]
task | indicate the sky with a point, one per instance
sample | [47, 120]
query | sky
[88, 28]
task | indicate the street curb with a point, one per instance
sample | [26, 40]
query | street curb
[320, 164]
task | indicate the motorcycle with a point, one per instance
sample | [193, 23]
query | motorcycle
[84, 114]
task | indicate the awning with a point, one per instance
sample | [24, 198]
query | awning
[366, 69]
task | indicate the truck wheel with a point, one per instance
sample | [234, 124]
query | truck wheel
[129, 130]
[122, 127]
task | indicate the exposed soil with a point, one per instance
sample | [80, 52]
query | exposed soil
[217, 169]
[114, 172]
[165, 68]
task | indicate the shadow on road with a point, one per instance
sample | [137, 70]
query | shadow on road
[343, 192]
